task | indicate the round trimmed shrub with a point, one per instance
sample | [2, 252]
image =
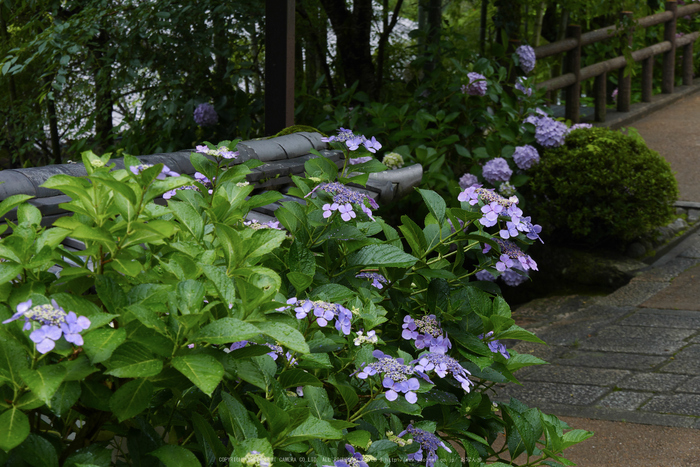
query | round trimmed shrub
[602, 185]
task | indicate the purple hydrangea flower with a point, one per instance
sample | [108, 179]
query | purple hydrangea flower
[55, 322]
[474, 194]
[526, 56]
[549, 133]
[476, 86]
[342, 196]
[376, 278]
[484, 275]
[442, 365]
[531, 231]
[494, 345]
[497, 170]
[512, 278]
[491, 212]
[324, 312]
[346, 212]
[359, 160]
[205, 115]
[165, 171]
[614, 95]
[522, 86]
[426, 332]
[396, 376]
[355, 460]
[578, 126]
[428, 442]
[343, 136]
[467, 180]
[526, 157]
[509, 253]
[256, 225]
[218, 152]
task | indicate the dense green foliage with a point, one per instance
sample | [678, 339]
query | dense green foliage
[602, 185]
[202, 347]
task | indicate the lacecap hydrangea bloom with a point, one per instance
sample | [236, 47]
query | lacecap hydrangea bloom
[205, 115]
[526, 157]
[277, 350]
[509, 254]
[165, 171]
[344, 199]
[397, 377]
[526, 55]
[355, 460]
[494, 345]
[467, 180]
[370, 338]
[353, 141]
[442, 365]
[217, 152]
[497, 170]
[393, 160]
[426, 334]
[512, 278]
[256, 225]
[54, 321]
[477, 85]
[428, 442]
[324, 312]
[376, 278]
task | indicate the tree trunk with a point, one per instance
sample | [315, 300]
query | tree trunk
[352, 31]
[104, 101]
[53, 128]
[538, 24]
[433, 11]
[387, 27]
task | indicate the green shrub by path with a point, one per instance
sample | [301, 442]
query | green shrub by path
[602, 185]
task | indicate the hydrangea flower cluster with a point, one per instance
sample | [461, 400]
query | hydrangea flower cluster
[198, 177]
[484, 275]
[393, 160]
[353, 141]
[427, 334]
[578, 126]
[477, 85]
[428, 442]
[324, 312]
[396, 376]
[277, 350]
[376, 278]
[442, 365]
[497, 170]
[614, 95]
[510, 253]
[549, 133]
[525, 157]
[359, 160]
[165, 171]
[255, 225]
[526, 55]
[343, 136]
[355, 460]
[506, 189]
[495, 345]
[256, 459]
[512, 278]
[370, 338]
[467, 180]
[343, 200]
[218, 152]
[55, 322]
[521, 85]
[205, 115]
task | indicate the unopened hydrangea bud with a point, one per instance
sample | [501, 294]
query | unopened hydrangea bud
[506, 189]
[393, 160]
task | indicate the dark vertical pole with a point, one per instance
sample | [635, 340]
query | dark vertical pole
[482, 29]
[647, 79]
[688, 64]
[624, 80]
[600, 96]
[279, 65]
[573, 65]
[670, 56]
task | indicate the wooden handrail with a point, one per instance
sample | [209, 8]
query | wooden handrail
[574, 74]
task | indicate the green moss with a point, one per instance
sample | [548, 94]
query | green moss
[603, 185]
[297, 129]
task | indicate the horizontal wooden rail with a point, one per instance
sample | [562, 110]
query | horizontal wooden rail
[574, 74]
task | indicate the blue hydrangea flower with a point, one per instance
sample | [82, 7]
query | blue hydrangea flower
[491, 212]
[55, 322]
[205, 115]
[324, 312]
[342, 196]
[526, 56]
[549, 133]
[510, 251]
[512, 278]
[578, 126]
[355, 460]
[526, 157]
[467, 180]
[376, 278]
[165, 171]
[218, 152]
[477, 85]
[442, 365]
[484, 275]
[343, 136]
[497, 170]
[428, 442]
[522, 86]
[426, 332]
[494, 345]
[346, 212]
[532, 231]
[397, 376]
[359, 160]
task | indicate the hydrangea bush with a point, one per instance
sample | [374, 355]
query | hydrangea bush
[194, 335]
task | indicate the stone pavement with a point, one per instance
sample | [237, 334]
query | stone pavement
[632, 356]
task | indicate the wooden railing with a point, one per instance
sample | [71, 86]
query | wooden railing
[573, 74]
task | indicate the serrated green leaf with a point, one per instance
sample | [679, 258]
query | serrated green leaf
[285, 335]
[175, 456]
[381, 255]
[100, 343]
[203, 370]
[226, 331]
[131, 399]
[44, 381]
[131, 360]
[15, 428]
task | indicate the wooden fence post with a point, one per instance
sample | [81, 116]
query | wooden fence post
[647, 79]
[573, 65]
[670, 56]
[279, 65]
[624, 83]
[688, 64]
[600, 96]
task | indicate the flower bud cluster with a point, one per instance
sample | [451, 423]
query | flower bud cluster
[427, 334]
[397, 376]
[343, 201]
